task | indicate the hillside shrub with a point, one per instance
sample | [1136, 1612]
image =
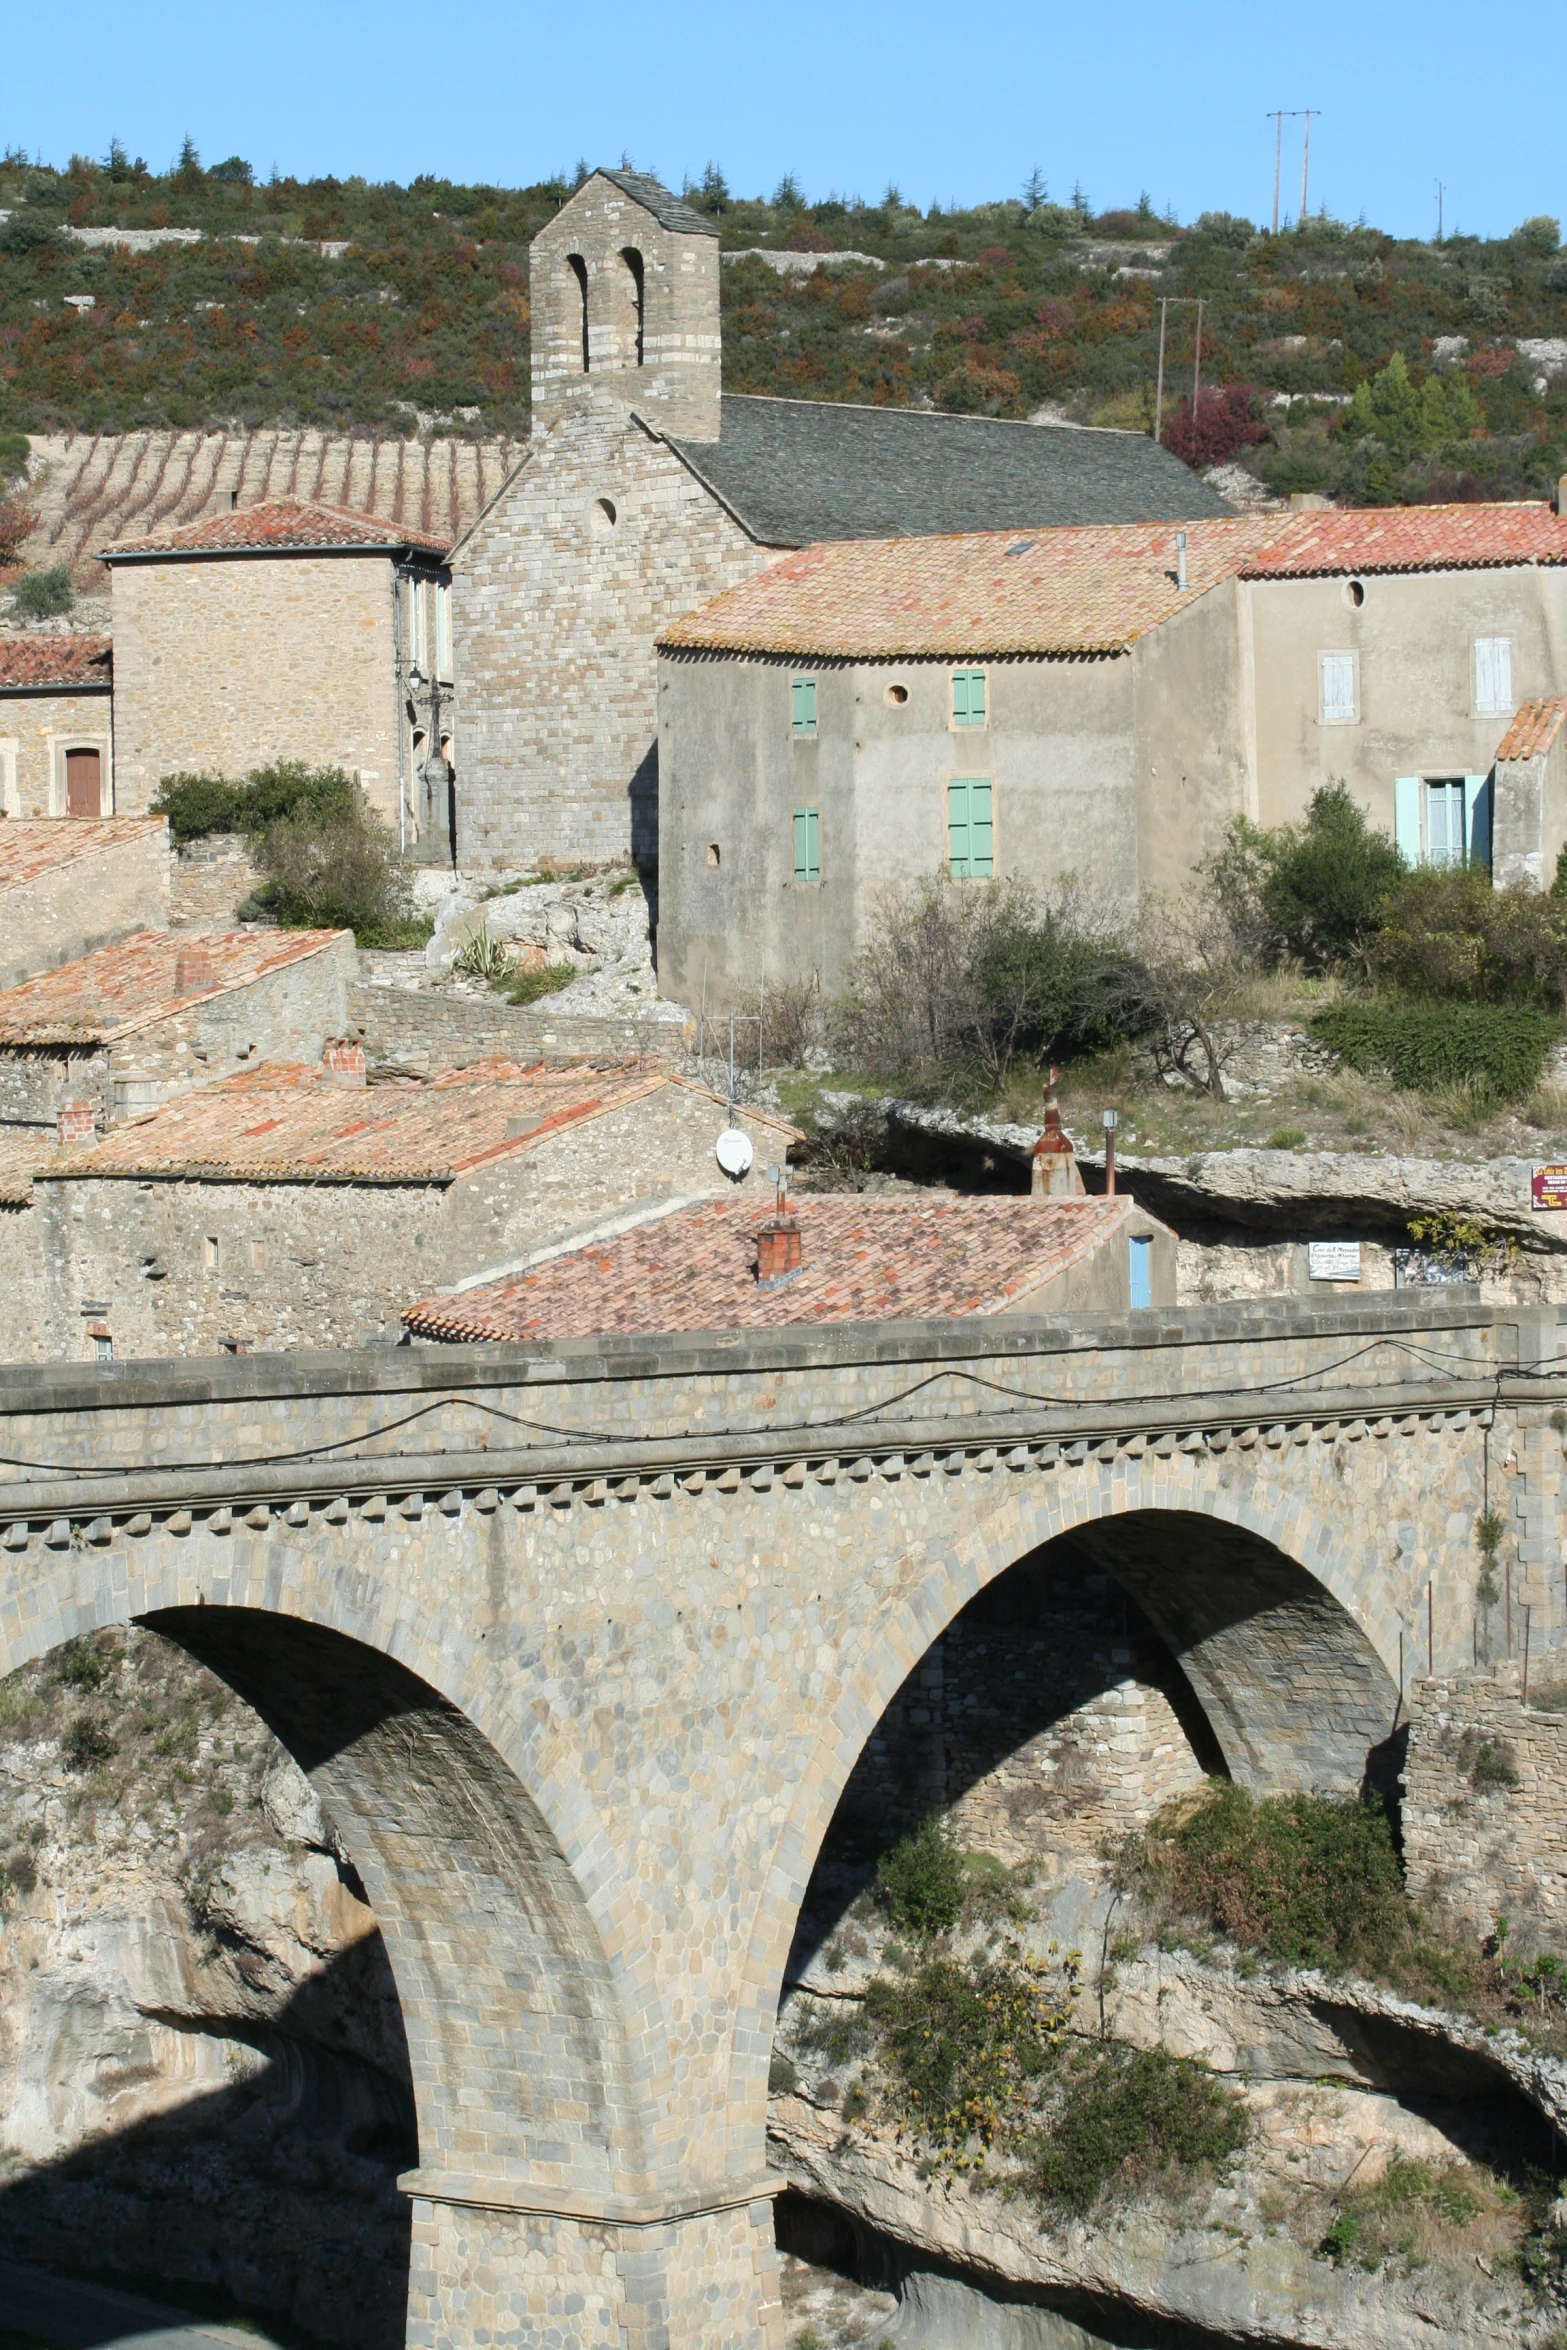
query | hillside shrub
[1451, 934]
[1128, 2116]
[963, 2042]
[1226, 422]
[198, 805]
[43, 595]
[920, 1882]
[1313, 891]
[1496, 1051]
[336, 866]
[18, 521]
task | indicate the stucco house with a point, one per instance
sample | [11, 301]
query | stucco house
[1099, 701]
[297, 1205]
[645, 490]
[286, 631]
[831, 1257]
[56, 726]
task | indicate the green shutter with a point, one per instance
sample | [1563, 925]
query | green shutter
[807, 844]
[968, 697]
[970, 840]
[804, 705]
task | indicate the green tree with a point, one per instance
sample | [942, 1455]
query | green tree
[1410, 421]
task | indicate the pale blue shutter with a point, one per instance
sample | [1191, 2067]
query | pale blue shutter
[801, 821]
[979, 832]
[1477, 820]
[804, 705]
[1406, 817]
[968, 697]
[1141, 1271]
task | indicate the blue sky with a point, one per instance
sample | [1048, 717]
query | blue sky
[951, 103]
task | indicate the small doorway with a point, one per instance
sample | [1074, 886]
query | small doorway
[83, 783]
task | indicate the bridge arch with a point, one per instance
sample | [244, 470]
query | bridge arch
[1261, 1603]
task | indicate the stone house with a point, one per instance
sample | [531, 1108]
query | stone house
[56, 728]
[645, 490]
[829, 1257]
[67, 888]
[140, 1022]
[286, 631]
[297, 1206]
[1099, 702]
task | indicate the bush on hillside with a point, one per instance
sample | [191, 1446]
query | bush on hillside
[18, 521]
[197, 805]
[920, 1882]
[1495, 1051]
[43, 595]
[1130, 2115]
[1314, 890]
[335, 866]
[1226, 422]
[1450, 934]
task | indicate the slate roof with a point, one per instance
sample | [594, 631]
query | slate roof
[666, 208]
[1077, 592]
[798, 470]
[290, 1122]
[54, 664]
[1534, 728]
[122, 988]
[31, 846]
[864, 1260]
[281, 526]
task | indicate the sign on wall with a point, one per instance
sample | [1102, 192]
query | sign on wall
[1334, 1260]
[1549, 1187]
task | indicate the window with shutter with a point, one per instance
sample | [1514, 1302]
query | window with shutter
[1446, 842]
[970, 834]
[807, 844]
[1494, 674]
[968, 697]
[803, 705]
[1336, 672]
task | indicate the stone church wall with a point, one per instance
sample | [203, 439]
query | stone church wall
[601, 539]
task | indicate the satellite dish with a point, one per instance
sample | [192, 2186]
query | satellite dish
[735, 1153]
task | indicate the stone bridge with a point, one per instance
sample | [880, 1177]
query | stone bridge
[580, 1647]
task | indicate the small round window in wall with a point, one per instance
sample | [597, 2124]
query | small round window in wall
[1354, 594]
[897, 695]
[604, 516]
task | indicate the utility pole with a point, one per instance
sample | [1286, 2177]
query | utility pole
[1278, 158]
[1440, 193]
[1167, 302]
[1196, 370]
[1305, 159]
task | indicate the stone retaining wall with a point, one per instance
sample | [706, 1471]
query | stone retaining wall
[1485, 1802]
[447, 1031]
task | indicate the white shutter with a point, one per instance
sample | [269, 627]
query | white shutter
[1477, 821]
[1338, 688]
[1494, 674]
[1406, 817]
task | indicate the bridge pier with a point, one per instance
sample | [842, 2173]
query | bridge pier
[701, 2280]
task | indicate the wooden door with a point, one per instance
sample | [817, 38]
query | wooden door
[83, 796]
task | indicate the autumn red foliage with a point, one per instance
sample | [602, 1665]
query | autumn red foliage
[1226, 422]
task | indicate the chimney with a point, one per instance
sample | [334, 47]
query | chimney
[777, 1249]
[78, 1123]
[192, 971]
[1055, 1161]
[343, 1062]
[1180, 561]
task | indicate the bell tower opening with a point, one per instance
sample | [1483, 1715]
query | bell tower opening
[579, 271]
[632, 260]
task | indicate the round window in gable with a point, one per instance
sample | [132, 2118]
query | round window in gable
[604, 516]
[897, 695]
[1354, 594]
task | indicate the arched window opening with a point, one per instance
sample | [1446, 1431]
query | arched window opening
[633, 261]
[579, 270]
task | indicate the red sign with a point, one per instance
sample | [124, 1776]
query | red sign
[1549, 1186]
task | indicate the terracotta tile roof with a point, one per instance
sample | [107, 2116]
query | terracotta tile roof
[279, 527]
[24, 1150]
[864, 1260]
[29, 664]
[1534, 728]
[121, 988]
[1087, 590]
[31, 846]
[285, 1122]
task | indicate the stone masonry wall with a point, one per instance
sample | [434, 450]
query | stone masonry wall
[34, 1086]
[555, 609]
[284, 1015]
[209, 880]
[87, 902]
[223, 666]
[431, 1029]
[185, 1269]
[1485, 1802]
[35, 729]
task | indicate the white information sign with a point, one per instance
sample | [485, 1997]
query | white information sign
[1333, 1260]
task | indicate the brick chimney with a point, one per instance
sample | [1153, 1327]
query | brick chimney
[1055, 1161]
[193, 970]
[343, 1062]
[777, 1249]
[78, 1124]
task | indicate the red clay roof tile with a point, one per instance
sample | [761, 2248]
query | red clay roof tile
[864, 1260]
[281, 526]
[28, 663]
[1534, 728]
[122, 988]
